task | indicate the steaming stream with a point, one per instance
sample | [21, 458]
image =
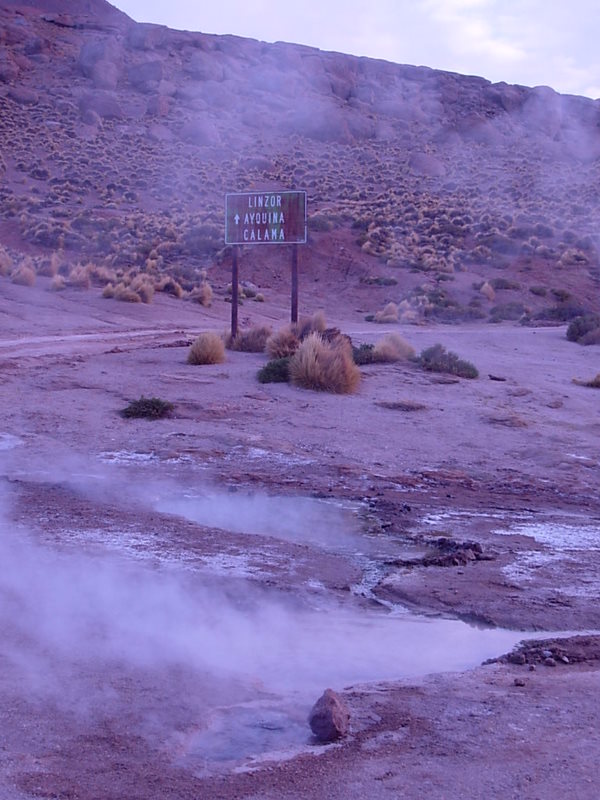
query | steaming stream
[257, 660]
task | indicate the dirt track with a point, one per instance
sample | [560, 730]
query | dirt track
[511, 466]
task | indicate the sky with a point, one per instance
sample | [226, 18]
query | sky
[531, 42]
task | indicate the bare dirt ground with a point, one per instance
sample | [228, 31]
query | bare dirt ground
[456, 499]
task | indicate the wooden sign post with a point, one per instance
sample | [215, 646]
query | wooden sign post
[264, 218]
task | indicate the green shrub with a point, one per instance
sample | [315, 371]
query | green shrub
[147, 408]
[363, 354]
[275, 371]
[438, 359]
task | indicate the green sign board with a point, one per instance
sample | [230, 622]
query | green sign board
[265, 218]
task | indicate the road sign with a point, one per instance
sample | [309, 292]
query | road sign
[265, 218]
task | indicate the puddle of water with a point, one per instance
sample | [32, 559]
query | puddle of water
[333, 647]
[303, 520]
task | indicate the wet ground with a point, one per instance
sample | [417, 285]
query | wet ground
[177, 593]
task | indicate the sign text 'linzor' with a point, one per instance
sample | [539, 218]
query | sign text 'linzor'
[265, 218]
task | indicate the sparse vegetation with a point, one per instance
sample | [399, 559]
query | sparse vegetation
[253, 340]
[208, 348]
[325, 366]
[393, 348]
[388, 314]
[147, 408]
[438, 359]
[275, 371]
[593, 384]
[583, 329]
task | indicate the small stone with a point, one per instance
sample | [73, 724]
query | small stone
[329, 717]
[519, 682]
[549, 662]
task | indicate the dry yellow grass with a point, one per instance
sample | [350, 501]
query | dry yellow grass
[253, 340]
[143, 287]
[389, 314]
[283, 343]
[124, 293]
[79, 276]
[208, 348]
[202, 294]
[324, 366]
[24, 275]
[393, 348]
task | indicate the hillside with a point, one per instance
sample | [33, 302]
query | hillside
[451, 196]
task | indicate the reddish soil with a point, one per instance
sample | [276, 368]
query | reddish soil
[482, 503]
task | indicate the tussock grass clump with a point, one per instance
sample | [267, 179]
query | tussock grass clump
[6, 263]
[593, 384]
[202, 294]
[79, 276]
[125, 294]
[284, 342]
[253, 340]
[147, 408]
[393, 348]
[580, 327]
[325, 366]
[275, 371]
[143, 286]
[24, 275]
[208, 348]
[169, 285]
[388, 314]
[438, 359]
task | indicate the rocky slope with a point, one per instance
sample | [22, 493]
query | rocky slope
[449, 195]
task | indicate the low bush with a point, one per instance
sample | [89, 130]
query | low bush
[581, 326]
[275, 371]
[208, 348]
[363, 354]
[148, 408]
[388, 314]
[593, 384]
[283, 343]
[393, 348]
[438, 359]
[325, 366]
[24, 275]
[124, 293]
[253, 340]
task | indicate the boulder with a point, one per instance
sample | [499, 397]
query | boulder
[23, 96]
[329, 718]
[146, 77]
[199, 131]
[105, 104]
[98, 50]
[105, 74]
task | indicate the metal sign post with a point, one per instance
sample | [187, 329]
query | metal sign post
[264, 218]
